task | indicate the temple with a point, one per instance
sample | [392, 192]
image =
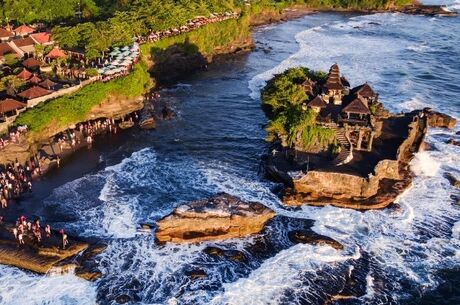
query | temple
[348, 111]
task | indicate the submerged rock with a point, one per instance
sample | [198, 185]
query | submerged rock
[167, 113]
[220, 217]
[122, 299]
[196, 274]
[453, 142]
[309, 237]
[453, 180]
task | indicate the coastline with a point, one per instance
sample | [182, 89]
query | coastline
[291, 15]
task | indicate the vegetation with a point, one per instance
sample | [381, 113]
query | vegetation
[11, 84]
[74, 108]
[204, 40]
[289, 121]
[96, 25]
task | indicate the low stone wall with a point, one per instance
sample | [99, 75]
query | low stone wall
[34, 102]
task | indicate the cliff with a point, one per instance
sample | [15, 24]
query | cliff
[219, 217]
[388, 179]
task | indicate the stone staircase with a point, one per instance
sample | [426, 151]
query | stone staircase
[346, 152]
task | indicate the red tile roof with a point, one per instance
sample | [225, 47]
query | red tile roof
[31, 63]
[10, 104]
[25, 74]
[41, 38]
[23, 30]
[35, 79]
[56, 52]
[34, 92]
[48, 84]
[5, 33]
[24, 42]
[6, 49]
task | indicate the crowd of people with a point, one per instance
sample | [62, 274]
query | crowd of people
[14, 136]
[15, 179]
[190, 26]
[34, 232]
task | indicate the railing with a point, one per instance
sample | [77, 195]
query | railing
[360, 122]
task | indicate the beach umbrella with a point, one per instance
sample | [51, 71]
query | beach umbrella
[125, 48]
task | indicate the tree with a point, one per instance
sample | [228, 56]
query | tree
[11, 84]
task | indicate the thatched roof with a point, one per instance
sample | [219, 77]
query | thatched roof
[364, 90]
[317, 102]
[357, 106]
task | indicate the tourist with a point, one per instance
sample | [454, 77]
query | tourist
[21, 239]
[65, 241]
[48, 230]
[15, 233]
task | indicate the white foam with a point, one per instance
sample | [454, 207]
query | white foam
[267, 284]
[424, 164]
[23, 288]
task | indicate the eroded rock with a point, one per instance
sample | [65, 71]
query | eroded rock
[439, 120]
[220, 217]
[454, 181]
[309, 237]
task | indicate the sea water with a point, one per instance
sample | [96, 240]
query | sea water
[215, 145]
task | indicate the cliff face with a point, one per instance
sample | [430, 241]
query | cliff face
[219, 217]
[378, 189]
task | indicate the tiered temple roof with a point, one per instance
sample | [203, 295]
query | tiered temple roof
[334, 81]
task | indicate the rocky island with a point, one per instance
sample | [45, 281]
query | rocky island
[336, 145]
[220, 217]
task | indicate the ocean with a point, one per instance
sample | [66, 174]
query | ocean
[405, 255]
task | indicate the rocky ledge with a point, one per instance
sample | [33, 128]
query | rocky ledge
[389, 178]
[220, 217]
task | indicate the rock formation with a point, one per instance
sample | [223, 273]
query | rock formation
[439, 120]
[312, 238]
[219, 217]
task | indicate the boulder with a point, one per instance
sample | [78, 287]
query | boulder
[453, 180]
[453, 142]
[310, 237]
[220, 217]
[167, 113]
[122, 299]
[196, 274]
[439, 120]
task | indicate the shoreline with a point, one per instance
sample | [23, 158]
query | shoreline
[288, 16]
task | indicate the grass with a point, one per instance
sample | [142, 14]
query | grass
[206, 39]
[71, 109]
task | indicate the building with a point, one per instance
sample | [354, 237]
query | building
[43, 38]
[347, 111]
[23, 30]
[334, 89]
[10, 107]
[33, 92]
[25, 45]
[24, 74]
[5, 34]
